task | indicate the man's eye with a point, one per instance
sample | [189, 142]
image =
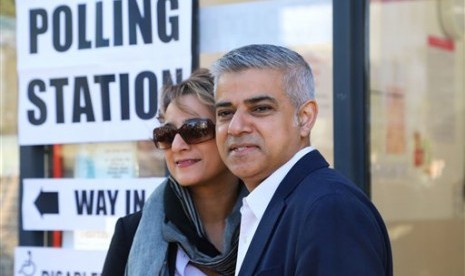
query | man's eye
[262, 108]
[224, 113]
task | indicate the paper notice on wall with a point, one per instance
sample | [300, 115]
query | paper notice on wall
[91, 71]
[395, 133]
[441, 89]
[82, 204]
[54, 262]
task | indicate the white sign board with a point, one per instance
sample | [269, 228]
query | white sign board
[82, 204]
[41, 261]
[91, 71]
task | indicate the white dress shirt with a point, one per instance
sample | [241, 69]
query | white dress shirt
[183, 267]
[254, 205]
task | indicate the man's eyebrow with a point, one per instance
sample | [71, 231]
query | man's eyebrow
[250, 101]
[258, 99]
[223, 104]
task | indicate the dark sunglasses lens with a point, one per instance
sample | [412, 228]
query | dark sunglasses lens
[198, 131]
[163, 137]
[192, 132]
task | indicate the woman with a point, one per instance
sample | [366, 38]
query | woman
[190, 223]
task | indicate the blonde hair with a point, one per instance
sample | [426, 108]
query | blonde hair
[199, 84]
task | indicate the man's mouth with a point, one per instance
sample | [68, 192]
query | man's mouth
[241, 148]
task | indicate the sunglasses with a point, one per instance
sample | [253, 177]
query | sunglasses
[193, 131]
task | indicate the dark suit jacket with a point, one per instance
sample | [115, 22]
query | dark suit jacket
[121, 242]
[319, 223]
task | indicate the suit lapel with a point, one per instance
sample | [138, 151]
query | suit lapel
[310, 162]
[307, 164]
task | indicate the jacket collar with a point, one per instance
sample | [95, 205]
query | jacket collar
[307, 164]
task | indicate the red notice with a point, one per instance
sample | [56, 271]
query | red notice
[441, 43]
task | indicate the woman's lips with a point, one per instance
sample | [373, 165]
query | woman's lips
[186, 162]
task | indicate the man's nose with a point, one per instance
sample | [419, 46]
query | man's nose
[239, 124]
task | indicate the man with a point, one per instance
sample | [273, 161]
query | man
[301, 217]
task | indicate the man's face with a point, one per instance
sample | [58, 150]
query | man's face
[256, 124]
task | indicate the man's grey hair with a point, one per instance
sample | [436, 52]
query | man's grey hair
[297, 75]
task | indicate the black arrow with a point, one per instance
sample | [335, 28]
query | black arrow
[47, 203]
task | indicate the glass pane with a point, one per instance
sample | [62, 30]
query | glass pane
[107, 160]
[418, 134]
[288, 23]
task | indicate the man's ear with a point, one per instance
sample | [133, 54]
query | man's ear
[307, 117]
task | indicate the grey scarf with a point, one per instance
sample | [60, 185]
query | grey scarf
[148, 255]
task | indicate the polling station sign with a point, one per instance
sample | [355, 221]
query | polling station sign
[91, 71]
[41, 261]
[82, 204]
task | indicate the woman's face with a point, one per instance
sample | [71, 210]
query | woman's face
[192, 164]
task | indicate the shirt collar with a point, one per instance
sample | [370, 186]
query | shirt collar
[261, 196]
